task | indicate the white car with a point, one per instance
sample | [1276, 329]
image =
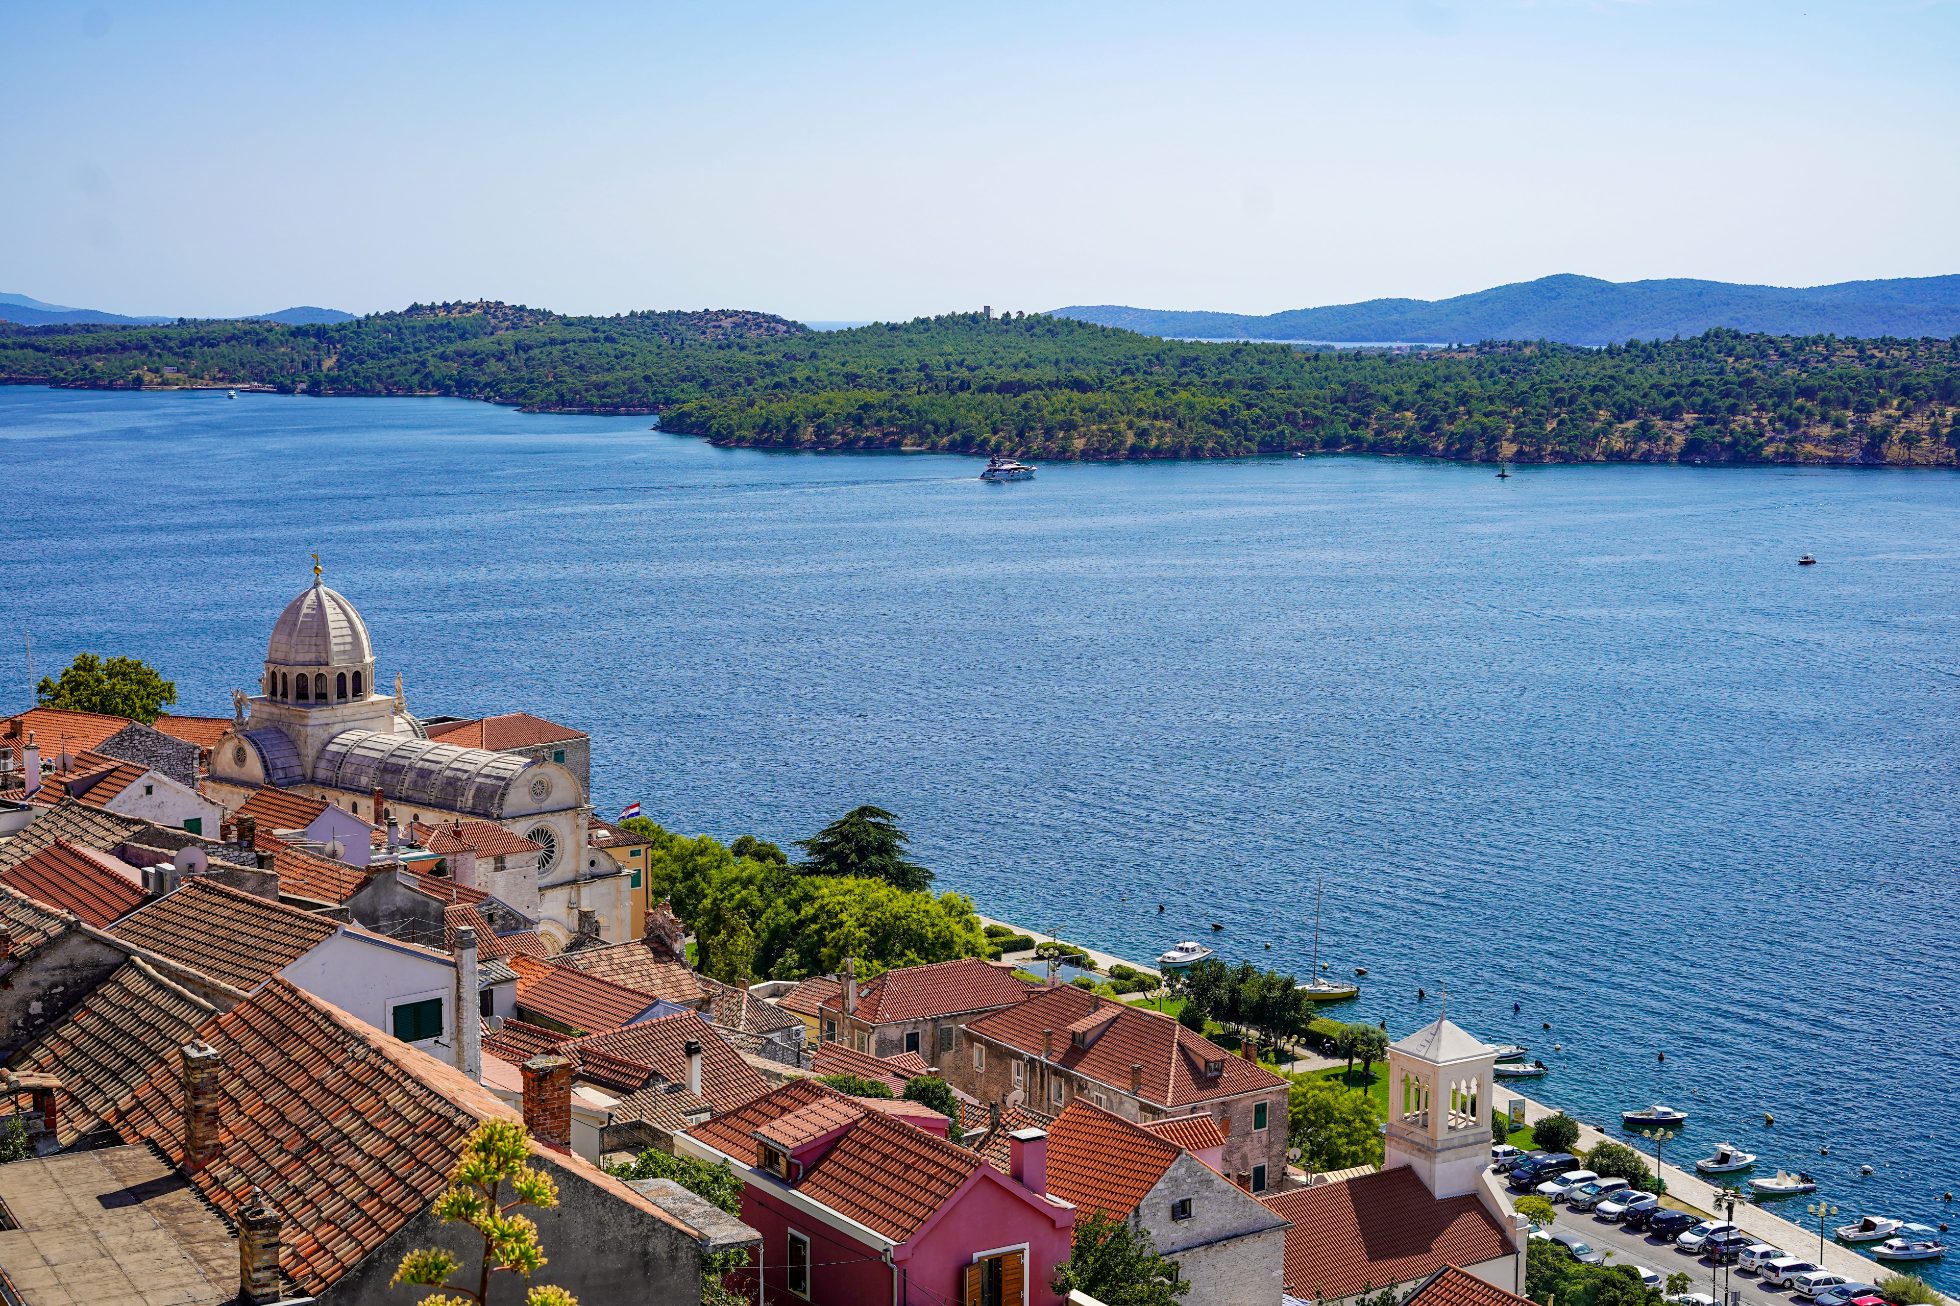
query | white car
[1588, 1195]
[1691, 1299]
[1649, 1277]
[1553, 1190]
[1785, 1268]
[1618, 1206]
[1754, 1257]
[1809, 1285]
[1691, 1240]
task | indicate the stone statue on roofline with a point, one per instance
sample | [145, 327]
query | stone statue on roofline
[665, 933]
[239, 699]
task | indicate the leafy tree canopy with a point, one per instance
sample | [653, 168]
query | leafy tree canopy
[1557, 1132]
[855, 1085]
[495, 1164]
[1118, 1265]
[932, 1091]
[1619, 1161]
[866, 842]
[1333, 1125]
[718, 1182]
[120, 686]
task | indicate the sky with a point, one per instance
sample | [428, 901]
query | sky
[850, 161]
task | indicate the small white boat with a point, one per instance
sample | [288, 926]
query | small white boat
[1520, 1069]
[1728, 1158]
[1783, 1184]
[1322, 989]
[231, 394]
[1188, 953]
[1002, 468]
[1914, 1242]
[1511, 1052]
[1871, 1229]
[1654, 1117]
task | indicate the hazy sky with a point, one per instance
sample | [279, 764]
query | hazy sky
[839, 160]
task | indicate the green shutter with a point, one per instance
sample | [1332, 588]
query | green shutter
[415, 1021]
[1259, 1115]
[195, 825]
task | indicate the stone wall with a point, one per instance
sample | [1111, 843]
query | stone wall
[1232, 1249]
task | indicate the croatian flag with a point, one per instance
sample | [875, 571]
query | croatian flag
[629, 811]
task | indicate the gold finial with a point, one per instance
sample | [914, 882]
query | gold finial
[316, 567]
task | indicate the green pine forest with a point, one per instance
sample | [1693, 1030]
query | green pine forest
[1051, 388]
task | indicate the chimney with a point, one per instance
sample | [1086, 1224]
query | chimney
[1027, 1159]
[469, 1024]
[259, 1280]
[694, 1066]
[30, 763]
[42, 1101]
[1250, 1049]
[993, 1117]
[1136, 1079]
[1047, 1045]
[850, 986]
[548, 1100]
[248, 829]
[380, 812]
[263, 859]
[201, 1067]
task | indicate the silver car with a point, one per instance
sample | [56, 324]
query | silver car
[1582, 1252]
[1624, 1203]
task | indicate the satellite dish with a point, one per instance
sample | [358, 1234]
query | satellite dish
[1292, 1153]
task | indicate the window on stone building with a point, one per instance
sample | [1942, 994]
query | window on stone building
[1181, 1209]
[1019, 1069]
[796, 1271]
[1258, 1178]
[912, 1040]
[980, 1056]
[357, 685]
[1055, 1092]
[320, 685]
[558, 756]
[302, 696]
[945, 1038]
[485, 1004]
[1258, 1115]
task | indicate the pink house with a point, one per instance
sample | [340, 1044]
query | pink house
[855, 1205]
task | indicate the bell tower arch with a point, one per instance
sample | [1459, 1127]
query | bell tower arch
[1440, 1084]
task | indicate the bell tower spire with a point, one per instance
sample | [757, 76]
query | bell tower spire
[1440, 1082]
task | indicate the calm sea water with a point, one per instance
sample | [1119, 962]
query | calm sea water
[1587, 740]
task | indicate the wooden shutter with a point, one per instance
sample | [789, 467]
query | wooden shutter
[1013, 1279]
[971, 1294]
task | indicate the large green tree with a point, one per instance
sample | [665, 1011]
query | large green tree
[867, 842]
[1333, 1126]
[1118, 1265]
[120, 686]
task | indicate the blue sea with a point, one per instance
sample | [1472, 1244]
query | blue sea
[1587, 739]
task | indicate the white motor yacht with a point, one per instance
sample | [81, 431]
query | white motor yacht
[1914, 1242]
[1003, 468]
[1654, 1117]
[1188, 953]
[1728, 1158]
[1783, 1184]
[1870, 1229]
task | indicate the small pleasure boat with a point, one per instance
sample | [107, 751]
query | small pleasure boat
[1915, 1242]
[1654, 1117]
[1806, 561]
[1188, 953]
[1003, 468]
[1322, 989]
[1520, 1069]
[1728, 1158]
[1871, 1229]
[1783, 1184]
[1511, 1052]
[231, 394]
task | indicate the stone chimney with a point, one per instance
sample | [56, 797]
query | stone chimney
[1047, 1045]
[548, 1100]
[248, 829]
[694, 1066]
[30, 765]
[993, 1116]
[850, 986]
[1027, 1159]
[259, 1227]
[201, 1067]
[1250, 1049]
[469, 1023]
[1136, 1079]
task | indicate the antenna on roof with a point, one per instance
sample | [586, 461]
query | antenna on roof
[1443, 1011]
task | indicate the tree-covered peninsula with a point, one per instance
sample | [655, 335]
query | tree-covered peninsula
[1049, 387]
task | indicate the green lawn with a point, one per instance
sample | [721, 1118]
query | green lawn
[1375, 1084]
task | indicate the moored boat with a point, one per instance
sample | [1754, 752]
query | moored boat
[1806, 561]
[1783, 1184]
[1870, 1229]
[1188, 953]
[1512, 1052]
[1914, 1242]
[1002, 468]
[1520, 1069]
[1727, 1159]
[1654, 1117]
[1322, 989]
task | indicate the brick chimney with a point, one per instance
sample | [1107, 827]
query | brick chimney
[850, 986]
[380, 809]
[201, 1067]
[694, 1066]
[248, 829]
[30, 764]
[1047, 1045]
[259, 1241]
[1250, 1049]
[1027, 1159]
[1136, 1079]
[468, 1004]
[548, 1100]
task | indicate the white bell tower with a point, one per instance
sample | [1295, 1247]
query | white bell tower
[1440, 1082]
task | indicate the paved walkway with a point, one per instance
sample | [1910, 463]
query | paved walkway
[1103, 960]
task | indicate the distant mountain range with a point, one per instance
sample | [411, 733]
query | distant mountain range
[34, 312]
[1580, 311]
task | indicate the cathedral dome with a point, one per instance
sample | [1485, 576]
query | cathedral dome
[320, 628]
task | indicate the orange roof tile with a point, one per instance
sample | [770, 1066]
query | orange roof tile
[517, 1041]
[582, 1003]
[1172, 1057]
[843, 1059]
[304, 875]
[634, 964]
[627, 1058]
[443, 888]
[83, 826]
[1378, 1230]
[1453, 1286]
[991, 1142]
[96, 887]
[488, 839]
[282, 809]
[811, 994]
[943, 988]
[498, 733]
[57, 729]
[1192, 1133]
[233, 937]
[1102, 1162]
[26, 924]
[203, 731]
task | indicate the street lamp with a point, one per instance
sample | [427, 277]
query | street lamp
[1823, 1211]
[1725, 1200]
[1660, 1136]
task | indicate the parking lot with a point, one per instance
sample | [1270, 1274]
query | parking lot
[1632, 1248]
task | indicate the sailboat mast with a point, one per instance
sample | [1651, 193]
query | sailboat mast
[1317, 887]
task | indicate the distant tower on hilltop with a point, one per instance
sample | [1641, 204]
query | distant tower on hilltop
[987, 311]
[1440, 1081]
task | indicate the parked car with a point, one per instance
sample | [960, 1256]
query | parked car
[1503, 1156]
[1649, 1277]
[1582, 1251]
[1691, 1299]
[1666, 1222]
[1785, 1268]
[1724, 1248]
[1640, 1216]
[1538, 1167]
[1809, 1285]
[1844, 1293]
[1588, 1195]
[1691, 1241]
[1554, 1190]
[1755, 1255]
[1617, 1206]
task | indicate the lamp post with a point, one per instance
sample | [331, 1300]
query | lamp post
[1725, 1200]
[1660, 1136]
[1823, 1211]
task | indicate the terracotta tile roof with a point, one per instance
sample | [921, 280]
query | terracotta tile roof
[732, 1007]
[204, 731]
[1102, 1162]
[111, 1041]
[442, 887]
[1192, 1133]
[626, 1058]
[350, 1133]
[1378, 1230]
[490, 945]
[604, 834]
[843, 1059]
[101, 787]
[233, 937]
[992, 1143]
[881, 1172]
[56, 730]
[517, 1041]
[810, 994]
[498, 733]
[634, 964]
[944, 988]
[488, 839]
[1172, 1057]
[83, 826]
[669, 1107]
[583, 1003]
[94, 886]
[304, 875]
[1453, 1286]
[26, 925]
[282, 809]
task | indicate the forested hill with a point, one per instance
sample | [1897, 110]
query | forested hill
[1580, 311]
[1052, 388]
